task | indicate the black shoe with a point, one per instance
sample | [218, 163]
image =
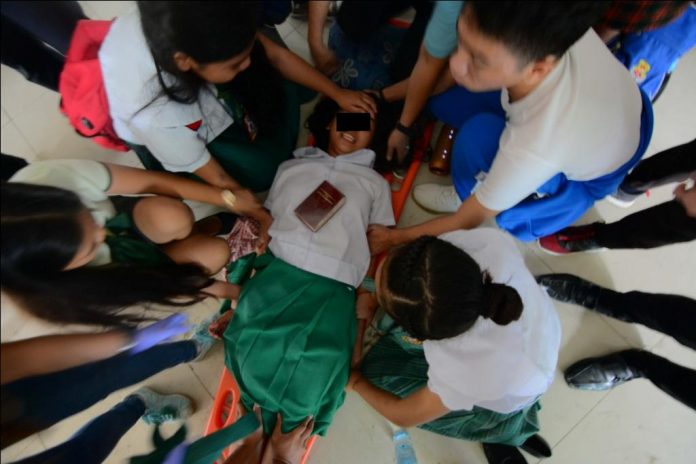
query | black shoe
[537, 447]
[570, 289]
[503, 454]
[604, 372]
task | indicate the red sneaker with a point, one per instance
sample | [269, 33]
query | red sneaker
[571, 240]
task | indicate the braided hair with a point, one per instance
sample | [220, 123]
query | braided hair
[434, 290]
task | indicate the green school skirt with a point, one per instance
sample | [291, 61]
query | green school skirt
[397, 364]
[252, 163]
[289, 344]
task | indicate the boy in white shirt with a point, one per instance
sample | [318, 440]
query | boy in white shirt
[549, 121]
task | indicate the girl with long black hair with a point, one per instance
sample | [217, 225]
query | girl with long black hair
[194, 88]
[71, 254]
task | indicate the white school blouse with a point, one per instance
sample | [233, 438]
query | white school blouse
[339, 250]
[175, 133]
[500, 368]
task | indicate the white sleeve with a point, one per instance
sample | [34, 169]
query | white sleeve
[179, 149]
[382, 211]
[512, 178]
[88, 178]
[275, 187]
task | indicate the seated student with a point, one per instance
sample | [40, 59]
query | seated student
[549, 121]
[70, 254]
[475, 347]
[161, 63]
[290, 340]
[378, 55]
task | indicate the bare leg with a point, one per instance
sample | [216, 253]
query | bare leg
[163, 219]
[210, 252]
[224, 290]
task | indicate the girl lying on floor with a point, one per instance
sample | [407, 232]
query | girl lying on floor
[290, 340]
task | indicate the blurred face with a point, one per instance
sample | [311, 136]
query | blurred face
[93, 236]
[218, 72]
[481, 63]
[343, 143]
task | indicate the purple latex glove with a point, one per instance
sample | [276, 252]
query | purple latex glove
[149, 336]
[177, 455]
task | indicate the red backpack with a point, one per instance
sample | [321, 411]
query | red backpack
[81, 86]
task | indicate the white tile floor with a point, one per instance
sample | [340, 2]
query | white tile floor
[636, 423]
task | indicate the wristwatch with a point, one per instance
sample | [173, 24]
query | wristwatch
[405, 130]
[229, 198]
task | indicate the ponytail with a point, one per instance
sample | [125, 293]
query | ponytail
[501, 303]
[434, 290]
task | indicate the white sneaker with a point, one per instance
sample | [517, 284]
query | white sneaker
[622, 199]
[437, 198]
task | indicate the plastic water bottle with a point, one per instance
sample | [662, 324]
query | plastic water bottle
[404, 448]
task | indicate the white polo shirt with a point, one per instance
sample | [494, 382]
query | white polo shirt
[142, 114]
[501, 368]
[90, 180]
[582, 121]
[339, 250]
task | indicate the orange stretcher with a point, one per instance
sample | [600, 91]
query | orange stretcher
[226, 403]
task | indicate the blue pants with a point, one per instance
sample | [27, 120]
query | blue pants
[36, 403]
[480, 120]
[93, 443]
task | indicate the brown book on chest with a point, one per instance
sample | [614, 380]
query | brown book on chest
[320, 206]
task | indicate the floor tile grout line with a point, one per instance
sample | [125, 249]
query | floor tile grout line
[28, 441]
[605, 320]
[27, 139]
[579, 421]
[212, 396]
[7, 115]
[43, 445]
[34, 151]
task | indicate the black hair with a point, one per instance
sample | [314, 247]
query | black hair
[260, 90]
[325, 111]
[434, 290]
[532, 30]
[41, 233]
[210, 32]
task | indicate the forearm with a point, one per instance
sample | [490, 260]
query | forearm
[131, 181]
[423, 79]
[53, 353]
[469, 215]
[294, 68]
[434, 227]
[396, 92]
[317, 13]
[214, 174]
[385, 403]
